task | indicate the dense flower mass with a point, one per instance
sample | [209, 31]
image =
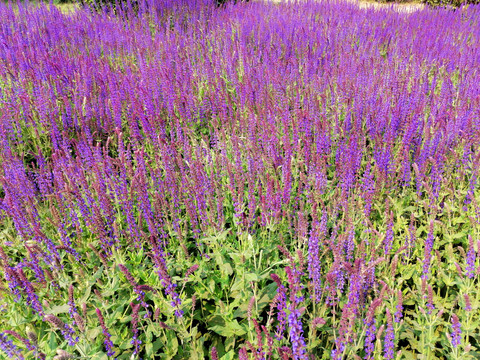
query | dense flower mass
[254, 180]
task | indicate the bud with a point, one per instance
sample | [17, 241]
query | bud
[52, 319]
[32, 336]
[191, 270]
[214, 353]
[163, 325]
[394, 265]
[62, 355]
[380, 331]
[459, 270]
[194, 301]
[440, 313]
[318, 321]
[145, 288]
[250, 307]
[84, 310]
[79, 321]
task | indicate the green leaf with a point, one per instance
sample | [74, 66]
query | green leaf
[229, 355]
[172, 343]
[99, 356]
[407, 273]
[252, 277]
[55, 310]
[92, 334]
[52, 342]
[228, 329]
[96, 276]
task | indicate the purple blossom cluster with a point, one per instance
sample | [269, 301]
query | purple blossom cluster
[67, 331]
[7, 346]
[107, 342]
[153, 128]
[389, 346]
[456, 334]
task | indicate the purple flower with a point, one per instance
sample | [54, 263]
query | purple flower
[314, 268]
[108, 343]
[399, 307]
[388, 349]
[135, 340]
[296, 334]
[27, 342]
[67, 332]
[32, 297]
[9, 348]
[71, 302]
[214, 353]
[371, 330]
[389, 235]
[430, 305]
[428, 252]
[471, 257]
[280, 302]
[456, 331]
[468, 304]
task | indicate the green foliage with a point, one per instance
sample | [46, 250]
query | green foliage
[446, 3]
[234, 268]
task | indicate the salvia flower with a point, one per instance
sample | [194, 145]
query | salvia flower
[135, 340]
[32, 297]
[128, 275]
[388, 349]
[71, 303]
[430, 305]
[389, 235]
[79, 322]
[138, 289]
[399, 307]
[214, 353]
[371, 329]
[314, 266]
[107, 342]
[67, 332]
[280, 302]
[471, 257]
[428, 252]
[456, 331]
[468, 304]
[7, 346]
[296, 334]
[242, 354]
[191, 270]
[14, 282]
[27, 342]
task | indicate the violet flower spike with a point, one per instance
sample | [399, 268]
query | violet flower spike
[456, 333]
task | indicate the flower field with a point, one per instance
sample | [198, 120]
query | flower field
[253, 181]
